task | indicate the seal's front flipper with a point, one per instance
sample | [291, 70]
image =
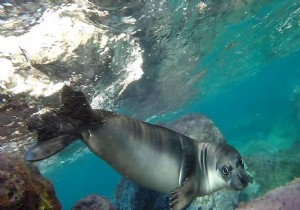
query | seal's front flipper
[182, 196]
[44, 149]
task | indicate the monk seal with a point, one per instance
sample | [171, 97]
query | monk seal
[150, 155]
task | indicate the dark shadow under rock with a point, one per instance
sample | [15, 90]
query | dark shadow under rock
[131, 196]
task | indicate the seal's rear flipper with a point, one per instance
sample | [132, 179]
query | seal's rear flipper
[57, 128]
[75, 105]
[44, 149]
[182, 196]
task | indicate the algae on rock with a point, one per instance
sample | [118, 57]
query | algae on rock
[23, 188]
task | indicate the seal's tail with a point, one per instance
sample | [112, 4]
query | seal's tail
[58, 128]
[75, 105]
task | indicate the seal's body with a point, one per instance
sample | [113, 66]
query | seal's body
[147, 154]
[153, 156]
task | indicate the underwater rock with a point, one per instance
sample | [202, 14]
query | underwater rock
[221, 200]
[267, 168]
[23, 188]
[129, 195]
[14, 135]
[93, 202]
[296, 101]
[285, 197]
[196, 126]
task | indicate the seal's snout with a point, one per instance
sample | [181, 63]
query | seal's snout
[239, 180]
[243, 178]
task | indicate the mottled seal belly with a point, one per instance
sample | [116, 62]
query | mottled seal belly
[152, 156]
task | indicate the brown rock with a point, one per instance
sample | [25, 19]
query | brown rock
[23, 188]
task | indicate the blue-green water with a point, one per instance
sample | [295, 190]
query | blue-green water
[248, 109]
[76, 179]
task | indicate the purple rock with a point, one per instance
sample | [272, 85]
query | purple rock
[93, 202]
[281, 198]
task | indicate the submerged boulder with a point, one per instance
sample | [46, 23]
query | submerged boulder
[196, 126]
[14, 111]
[296, 101]
[274, 169]
[93, 202]
[285, 197]
[23, 188]
[129, 195]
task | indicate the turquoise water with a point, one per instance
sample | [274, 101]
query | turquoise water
[75, 179]
[236, 62]
[248, 109]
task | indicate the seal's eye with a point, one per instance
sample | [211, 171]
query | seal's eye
[225, 170]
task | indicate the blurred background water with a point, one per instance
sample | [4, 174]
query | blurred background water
[235, 61]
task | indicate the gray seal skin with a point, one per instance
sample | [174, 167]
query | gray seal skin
[152, 156]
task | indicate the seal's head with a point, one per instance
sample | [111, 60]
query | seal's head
[230, 166]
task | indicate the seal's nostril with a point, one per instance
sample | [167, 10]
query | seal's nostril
[240, 177]
[243, 180]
